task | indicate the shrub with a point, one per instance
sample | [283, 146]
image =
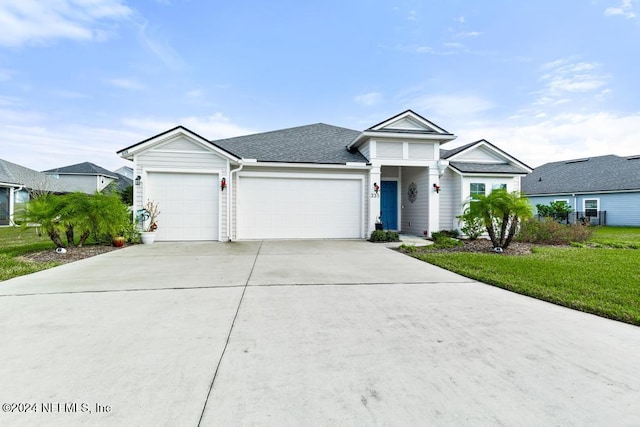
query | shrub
[445, 242]
[445, 233]
[549, 231]
[472, 227]
[384, 236]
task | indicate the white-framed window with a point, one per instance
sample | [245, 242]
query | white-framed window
[566, 201]
[498, 187]
[477, 188]
[591, 207]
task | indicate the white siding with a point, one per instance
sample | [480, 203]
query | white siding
[160, 159]
[365, 150]
[415, 216]
[421, 151]
[84, 183]
[181, 143]
[480, 155]
[449, 200]
[406, 124]
[389, 150]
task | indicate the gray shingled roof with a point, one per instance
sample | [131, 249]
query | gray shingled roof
[594, 174]
[12, 173]
[467, 167]
[317, 143]
[85, 168]
[445, 154]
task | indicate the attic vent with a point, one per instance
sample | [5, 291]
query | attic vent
[633, 158]
[576, 161]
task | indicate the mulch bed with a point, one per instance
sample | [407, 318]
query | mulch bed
[485, 246]
[72, 254]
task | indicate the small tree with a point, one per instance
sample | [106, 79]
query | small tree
[558, 210]
[500, 213]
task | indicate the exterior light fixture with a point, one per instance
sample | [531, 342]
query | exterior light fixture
[223, 184]
[376, 187]
[138, 180]
[436, 187]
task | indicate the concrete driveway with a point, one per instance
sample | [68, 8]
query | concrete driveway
[300, 333]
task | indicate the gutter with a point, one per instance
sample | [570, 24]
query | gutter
[230, 202]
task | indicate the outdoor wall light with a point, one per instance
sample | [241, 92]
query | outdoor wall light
[436, 187]
[223, 184]
[376, 187]
[138, 180]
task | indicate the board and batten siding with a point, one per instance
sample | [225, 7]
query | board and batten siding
[421, 151]
[450, 200]
[182, 155]
[415, 216]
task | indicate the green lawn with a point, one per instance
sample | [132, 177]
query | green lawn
[602, 280]
[15, 242]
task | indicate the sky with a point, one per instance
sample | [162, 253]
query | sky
[545, 80]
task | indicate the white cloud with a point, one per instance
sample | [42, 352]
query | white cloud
[128, 84]
[26, 22]
[560, 137]
[161, 49]
[216, 126]
[413, 15]
[445, 106]
[625, 9]
[460, 19]
[563, 77]
[369, 99]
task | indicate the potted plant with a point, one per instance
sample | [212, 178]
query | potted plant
[148, 217]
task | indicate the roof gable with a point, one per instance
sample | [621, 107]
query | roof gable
[588, 175]
[174, 135]
[483, 157]
[408, 121]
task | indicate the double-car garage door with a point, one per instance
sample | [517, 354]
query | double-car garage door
[303, 206]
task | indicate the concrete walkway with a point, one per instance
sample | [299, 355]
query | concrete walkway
[300, 333]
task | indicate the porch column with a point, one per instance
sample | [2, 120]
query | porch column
[374, 199]
[434, 201]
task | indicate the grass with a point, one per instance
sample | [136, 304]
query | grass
[15, 242]
[602, 280]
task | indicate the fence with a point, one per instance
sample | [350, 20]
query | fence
[587, 218]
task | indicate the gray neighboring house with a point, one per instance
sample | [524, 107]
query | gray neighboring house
[18, 182]
[605, 189]
[85, 177]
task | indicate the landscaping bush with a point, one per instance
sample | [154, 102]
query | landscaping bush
[445, 233]
[444, 242]
[384, 236]
[549, 231]
[472, 225]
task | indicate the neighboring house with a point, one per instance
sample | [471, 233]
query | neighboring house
[17, 183]
[125, 171]
[85, 177]
[605, 189]
[315, 181]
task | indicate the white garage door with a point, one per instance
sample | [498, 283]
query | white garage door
[299, 208]
[188, 204]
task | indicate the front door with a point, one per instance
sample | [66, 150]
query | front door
[389, 205]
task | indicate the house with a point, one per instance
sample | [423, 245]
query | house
[16, 185]
[85, 177]
[125, 171]
[316, 181]
[604, 189]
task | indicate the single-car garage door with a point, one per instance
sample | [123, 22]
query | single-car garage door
[188, 204]
[300, 207]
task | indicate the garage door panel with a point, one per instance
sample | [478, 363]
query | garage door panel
[290, 208]
[188, 205]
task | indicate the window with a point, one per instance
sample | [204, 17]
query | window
[591, 207]
[498, 187]
[477, 189]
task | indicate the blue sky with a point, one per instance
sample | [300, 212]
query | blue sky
[544, 80]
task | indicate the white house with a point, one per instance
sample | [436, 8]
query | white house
[316, 181]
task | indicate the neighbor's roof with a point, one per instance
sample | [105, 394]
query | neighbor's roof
[317, 143]
[85, 168]
[588, 175]
[11, 173]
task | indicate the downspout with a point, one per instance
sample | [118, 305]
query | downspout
[230, 203]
